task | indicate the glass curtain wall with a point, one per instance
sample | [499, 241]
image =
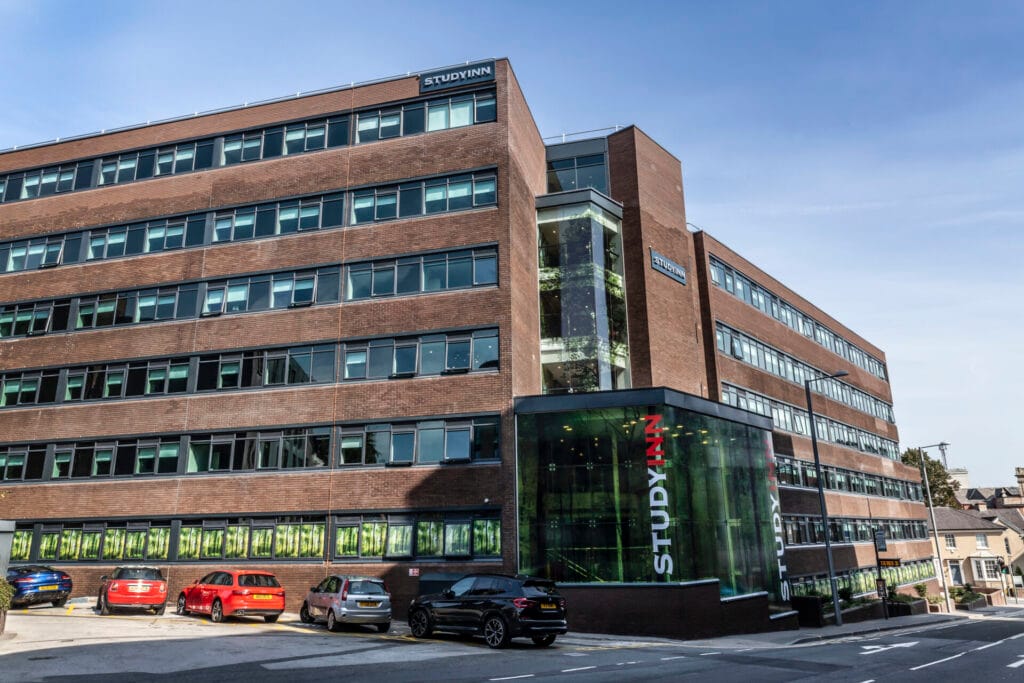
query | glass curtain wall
[584, 346]
[593, 507]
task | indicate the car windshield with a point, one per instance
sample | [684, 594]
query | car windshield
[366, 588]
[260, 580]
[534, 589]
[147, 573]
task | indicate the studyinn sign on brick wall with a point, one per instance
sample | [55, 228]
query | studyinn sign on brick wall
[452, 77]
[663, 264]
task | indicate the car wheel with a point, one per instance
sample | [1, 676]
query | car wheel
[332, 621]
[160, 610]
[60, 603]
[544, 641]
[385, 627]
[304, 616]
[496, 632]
[419, 624]
[180, 607]
[217, 612]
[104, 607]
[270, 618]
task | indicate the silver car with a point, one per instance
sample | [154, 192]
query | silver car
[348, 600]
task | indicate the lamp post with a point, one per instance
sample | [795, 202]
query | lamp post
[931, 511]
[821, 495]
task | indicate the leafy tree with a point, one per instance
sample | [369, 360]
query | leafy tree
[943, 487]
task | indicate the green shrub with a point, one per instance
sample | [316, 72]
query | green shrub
[922, 590]
[970, 596]
[846, 594]
[6, 592]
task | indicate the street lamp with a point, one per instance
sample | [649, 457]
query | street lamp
[821, 494]
[931, 511]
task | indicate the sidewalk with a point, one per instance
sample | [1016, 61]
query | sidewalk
[804, 636]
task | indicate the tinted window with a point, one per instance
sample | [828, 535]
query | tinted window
[261, 580]
[532, 589]
[366, 588]
[148, 573]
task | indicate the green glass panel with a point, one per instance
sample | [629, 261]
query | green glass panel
[487, 537]
[237, 543]
[90, 546]
[113, 544]
[189, 541]
[429, 538]
[159, 543]
[135, 544]
[373, 538]
[262, 542]
[346, 541]
[48, 543]
[21, 546]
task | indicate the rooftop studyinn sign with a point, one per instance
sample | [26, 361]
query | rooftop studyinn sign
[481, 72]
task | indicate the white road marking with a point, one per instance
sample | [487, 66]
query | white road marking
[582, 668]
[575, 654]
[1019, 635]
[985, 647]
[511, 678]
[705, 654]
[937, 661]
[669, 659]
[1016, 665]
[875, 649]
[870, 680]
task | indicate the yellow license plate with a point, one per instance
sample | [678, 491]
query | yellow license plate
[138, 589]
[367, 604]
[547, 605]
[47, 588]
[261, 596]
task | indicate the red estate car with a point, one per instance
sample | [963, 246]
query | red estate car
[133, 587]
[233, 592]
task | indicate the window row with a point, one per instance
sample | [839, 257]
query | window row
[758, 354]
[421, 536]
[794, 472]
[417, 274]
[254, 221]
[424, 197]
[862, 581]
[173, 302]
[808, 530]
[455, 440]
[790, 419]
[264, 143]
[760, 298]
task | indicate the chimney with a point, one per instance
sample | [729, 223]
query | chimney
[1020, 479]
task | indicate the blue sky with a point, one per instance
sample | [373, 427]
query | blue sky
[869, 155]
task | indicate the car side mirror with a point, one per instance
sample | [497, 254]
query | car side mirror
[196, 582]
[104, 578]
[448, 593]
[313, 589]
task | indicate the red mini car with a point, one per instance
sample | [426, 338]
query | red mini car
[133, 588]
[234, 592]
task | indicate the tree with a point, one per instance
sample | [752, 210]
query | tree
[942, 486]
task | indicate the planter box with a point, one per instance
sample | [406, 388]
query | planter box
[974, 604]
[3, 620]
[905, 609]
[809, 609]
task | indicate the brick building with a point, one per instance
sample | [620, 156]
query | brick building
[301, 334]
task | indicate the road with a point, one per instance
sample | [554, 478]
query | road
[76, 644]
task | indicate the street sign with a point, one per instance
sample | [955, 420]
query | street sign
[414, 571]
[889, 562]
[880, 541]
[880, 587]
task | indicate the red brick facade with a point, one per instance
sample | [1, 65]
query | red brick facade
[671, 327]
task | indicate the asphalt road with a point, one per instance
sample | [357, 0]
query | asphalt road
[76, 644]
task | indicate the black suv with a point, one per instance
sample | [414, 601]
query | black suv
[496, 606]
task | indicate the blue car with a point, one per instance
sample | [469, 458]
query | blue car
[35, 583]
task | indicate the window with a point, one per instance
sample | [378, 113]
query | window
[950, 542]
[981, 541]
[986, 570]
[417, 274]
